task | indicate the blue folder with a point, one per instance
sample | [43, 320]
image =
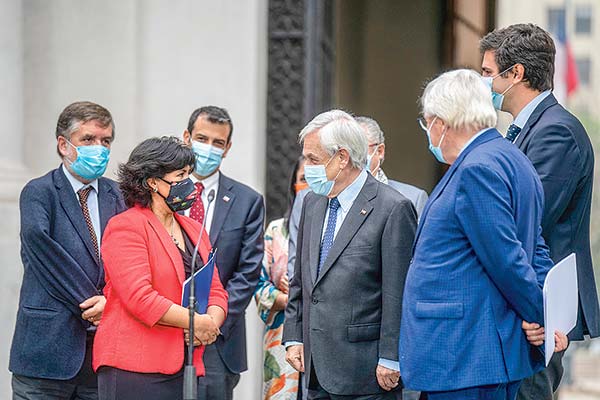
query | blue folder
[203, 280]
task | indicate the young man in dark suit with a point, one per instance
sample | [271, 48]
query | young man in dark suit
[63, 215]
[234, 222]
[518, 63]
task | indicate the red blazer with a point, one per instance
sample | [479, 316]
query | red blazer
[144, 276]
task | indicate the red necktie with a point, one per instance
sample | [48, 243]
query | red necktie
[197, 210]
[83, 196]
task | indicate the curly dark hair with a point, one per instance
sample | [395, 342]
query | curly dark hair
[153, 158]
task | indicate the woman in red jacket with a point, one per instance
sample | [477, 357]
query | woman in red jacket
[147, 252]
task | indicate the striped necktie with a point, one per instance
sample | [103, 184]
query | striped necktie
[83, 194]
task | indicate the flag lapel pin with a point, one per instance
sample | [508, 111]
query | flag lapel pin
[226, 199]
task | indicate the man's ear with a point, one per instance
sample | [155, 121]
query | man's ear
[344, 158]
[381, 152]
[227, 147]
[62, 146]
[187, 137]
[519, 73]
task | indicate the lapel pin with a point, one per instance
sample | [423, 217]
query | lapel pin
[226, 199]
[363, 212]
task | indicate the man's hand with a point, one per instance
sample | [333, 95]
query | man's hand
[387, 378]
[534, 333]
[93, 309]
[294, 355]
[561, 341]
[284, 284]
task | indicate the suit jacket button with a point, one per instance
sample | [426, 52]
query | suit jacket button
[314, 300]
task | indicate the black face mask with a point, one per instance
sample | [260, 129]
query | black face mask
[182, 194]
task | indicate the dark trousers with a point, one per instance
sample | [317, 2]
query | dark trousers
[504, 391]
[218, 382]
[84, 386]
[542, 385]
[316, 392]
[117, 384]
[321, 393]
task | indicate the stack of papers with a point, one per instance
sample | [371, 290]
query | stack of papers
[560, 301]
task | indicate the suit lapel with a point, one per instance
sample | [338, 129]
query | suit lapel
[439, 189]
[548, 102]
[316, 229]
[223, 203]
[71, 206]
[167, 243]
[358, 213]
[107, 203]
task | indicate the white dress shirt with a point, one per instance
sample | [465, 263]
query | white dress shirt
[92, 200]
[522, 118]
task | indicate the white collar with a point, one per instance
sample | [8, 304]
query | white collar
[210, 182]
[77, 184]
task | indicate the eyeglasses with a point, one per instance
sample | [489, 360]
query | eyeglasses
[423, 123]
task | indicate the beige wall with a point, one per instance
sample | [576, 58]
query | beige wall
[385, 51]
[518, 11]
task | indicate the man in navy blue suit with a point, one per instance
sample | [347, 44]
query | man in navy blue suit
[63, 215]
[479, 261]
[518, 62]
[235, 225]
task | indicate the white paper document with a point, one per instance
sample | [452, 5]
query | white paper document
[560, 301]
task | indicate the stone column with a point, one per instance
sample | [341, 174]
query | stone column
[13, 174]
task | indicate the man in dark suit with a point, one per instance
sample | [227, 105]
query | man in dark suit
[519, 62]
[63, 215]
[235, 225]
[353, 251]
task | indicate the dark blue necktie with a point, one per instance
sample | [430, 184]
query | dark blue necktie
[512, 133]
[327, 242]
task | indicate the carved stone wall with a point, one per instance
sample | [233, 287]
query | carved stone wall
[299, 85]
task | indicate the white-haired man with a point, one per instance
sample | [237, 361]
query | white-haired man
[354, 242]
[479, 260]
[376, 156]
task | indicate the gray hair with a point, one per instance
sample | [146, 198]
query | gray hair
[338, 130]
[374, 132]
[461, 99]
[80, 112]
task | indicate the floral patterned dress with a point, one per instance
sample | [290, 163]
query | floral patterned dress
[280, 380]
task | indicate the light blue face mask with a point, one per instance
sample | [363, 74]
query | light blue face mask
[497, 98]
[91, 161]
[436, 150]
[316, 177]
[208, 158]
[370, 158]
